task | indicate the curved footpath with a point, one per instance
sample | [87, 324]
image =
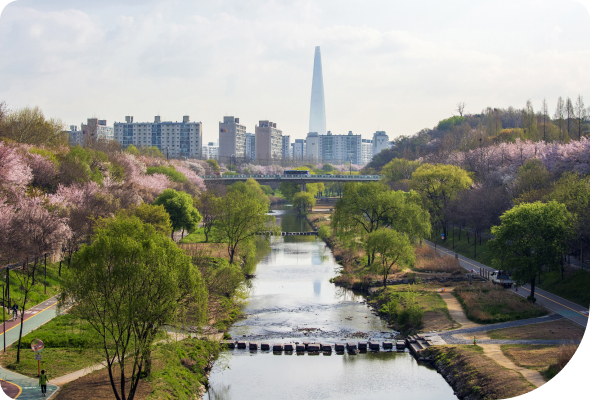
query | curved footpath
[17, 385]
[559, 305]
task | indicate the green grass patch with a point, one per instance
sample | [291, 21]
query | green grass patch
[179, 369]
[489, 304]
[575, 286]
[37, 294]
[480, 254]
[70, 344]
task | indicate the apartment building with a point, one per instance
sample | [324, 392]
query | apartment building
[269, 142]
[175, 139]
[232, 138]
[93, 131]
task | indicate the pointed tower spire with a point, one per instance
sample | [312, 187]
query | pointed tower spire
[317, 113]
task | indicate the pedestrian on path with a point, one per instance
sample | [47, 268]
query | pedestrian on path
[14, 311]
[43, 382]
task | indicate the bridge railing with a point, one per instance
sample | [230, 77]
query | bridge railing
[294, 177]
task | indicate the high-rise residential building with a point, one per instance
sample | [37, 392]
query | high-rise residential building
[175, 139]
[232, 139]
[95, 130]
[317, 113]
[367, 151]
[250, 147]
[335, 149]
[380, 142]
[286, 147]
[298, 151]
[211, 151]
[269, 142]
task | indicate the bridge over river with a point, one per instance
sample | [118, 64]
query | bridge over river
[293, 178]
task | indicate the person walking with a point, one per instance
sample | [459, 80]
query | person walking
[14, 311]
[43, 382]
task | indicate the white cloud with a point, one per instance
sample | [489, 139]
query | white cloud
[394, 66]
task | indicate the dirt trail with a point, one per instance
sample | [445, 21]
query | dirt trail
[456, 310]
[494, 352]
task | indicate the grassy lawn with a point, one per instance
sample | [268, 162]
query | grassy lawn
[575, 287]
[562, 329]
[37, 294]
[489, 304]
[178, 372]
[435, 314]
[195, 237]
[70, 345]
[481, 377]
[548, 360]
[467, 249]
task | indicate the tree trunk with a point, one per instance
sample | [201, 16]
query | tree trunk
[475, 244]
[59, 271]
[532, 289]
[453, 236]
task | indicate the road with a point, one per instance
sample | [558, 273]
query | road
[559, 305]
[23, 387]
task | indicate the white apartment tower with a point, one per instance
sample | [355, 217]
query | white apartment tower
[380, 142]
[175, 139]
[232, 138]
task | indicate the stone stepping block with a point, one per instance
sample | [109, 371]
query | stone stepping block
[374, 345]
[229, 343]
[264, 346]
[339, 347]
[388, 345]
[307, 344]
[300, 348]
[241, 344]
[277, 347]
[327, 347]
[313, 347]
[400, 344]
[351, 346]
[289, 347]
[363, 346]
[253, 345]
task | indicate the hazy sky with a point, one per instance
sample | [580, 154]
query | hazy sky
[397, 66]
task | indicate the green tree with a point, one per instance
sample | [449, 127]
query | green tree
[28, 125]
[179, 206]
[531, 239]
[289, 190]
[129, 283]
[399, 169]
[240, 218]
[392, 247]
[151, 151]
[366, 207]
[252, 189]
[152, 214]
[532, 182]
[439, 185]
[131, 149]
[303, 202]
[327, 168]
[207, 205]
[213, 164]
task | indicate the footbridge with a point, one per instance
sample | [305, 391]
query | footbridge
[293, 178]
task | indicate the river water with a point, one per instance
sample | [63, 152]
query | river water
[292, 300]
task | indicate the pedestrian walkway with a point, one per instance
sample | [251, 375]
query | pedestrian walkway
[456, 311]
[28, 388]
[559, 305]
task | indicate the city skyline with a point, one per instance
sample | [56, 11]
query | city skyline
[394, 66]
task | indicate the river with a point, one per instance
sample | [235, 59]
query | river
[292, 299]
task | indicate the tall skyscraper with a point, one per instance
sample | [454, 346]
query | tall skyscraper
[317, 113]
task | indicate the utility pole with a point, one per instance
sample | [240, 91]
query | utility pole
[45, 282]
[4, 318]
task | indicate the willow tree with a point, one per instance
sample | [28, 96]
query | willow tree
[366, 207]
[129, 283]
[392, 247]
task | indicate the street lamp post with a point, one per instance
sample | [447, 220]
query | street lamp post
[4, 318]
[45, 282]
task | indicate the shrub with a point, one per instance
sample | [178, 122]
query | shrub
[170, 172]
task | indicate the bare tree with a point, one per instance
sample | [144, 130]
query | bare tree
[569, 113]
[461, 108]
[559, 115]
[544, 110]
[580, 114]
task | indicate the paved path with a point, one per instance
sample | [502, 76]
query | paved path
[566, 308]
[34, 318]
